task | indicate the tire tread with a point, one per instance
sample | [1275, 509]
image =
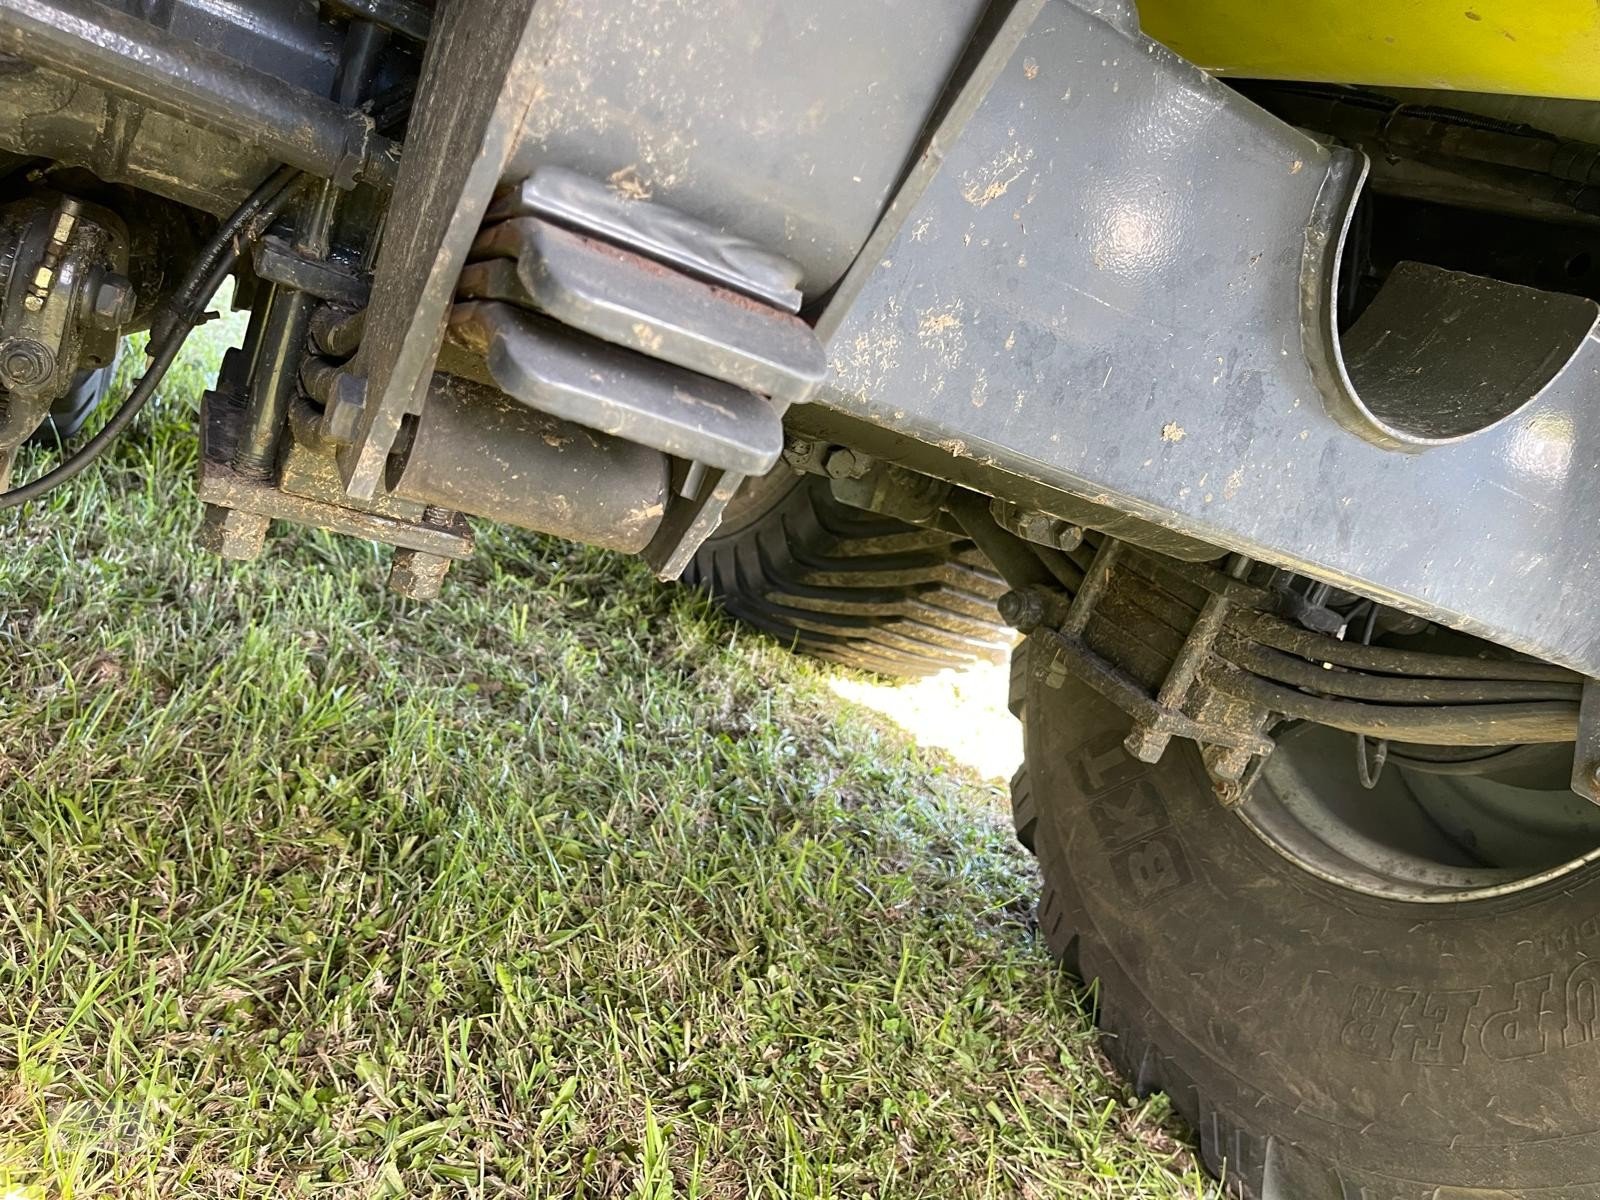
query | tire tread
[853, 587]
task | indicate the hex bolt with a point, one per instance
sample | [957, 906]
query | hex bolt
[1037, 527]
[25, 363]
[114, 302]
[233, 532]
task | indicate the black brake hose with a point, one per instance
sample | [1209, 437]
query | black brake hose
[214, 263]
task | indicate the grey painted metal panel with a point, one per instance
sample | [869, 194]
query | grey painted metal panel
[1113, 275]
[787, 124]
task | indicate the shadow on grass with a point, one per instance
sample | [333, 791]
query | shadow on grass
[558, 886]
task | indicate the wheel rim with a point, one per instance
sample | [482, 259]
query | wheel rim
[1436, 828]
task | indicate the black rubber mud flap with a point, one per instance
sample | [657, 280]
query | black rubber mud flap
[1324, 1044]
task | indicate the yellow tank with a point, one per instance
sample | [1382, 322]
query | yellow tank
[1521, 47]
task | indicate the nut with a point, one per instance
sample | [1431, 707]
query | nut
[233, 532]
[1023, 611]
[416, 574]
[114, 301]
[1146, 744]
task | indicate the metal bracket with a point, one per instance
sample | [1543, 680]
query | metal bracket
[478, 81]
[1158, 719]
[1043, 300]
[220, 485]
[277, 261]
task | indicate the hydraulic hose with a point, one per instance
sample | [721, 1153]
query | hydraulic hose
[214, 263]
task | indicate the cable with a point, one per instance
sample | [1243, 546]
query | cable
[1319, 648]
[215, 262]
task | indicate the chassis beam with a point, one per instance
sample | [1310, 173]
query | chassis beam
[1114, 276]
[99, 45]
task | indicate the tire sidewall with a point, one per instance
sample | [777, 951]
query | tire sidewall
[1396, 1048]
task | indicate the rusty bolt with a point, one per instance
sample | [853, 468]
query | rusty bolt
[416, 574]
[114, 302]
[1229, 793]
[233, 532]
[25, 363]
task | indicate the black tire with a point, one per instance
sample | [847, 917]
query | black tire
[850, 586]
[1324, 1044]
[70, 413]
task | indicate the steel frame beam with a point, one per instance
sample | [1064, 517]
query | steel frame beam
[1112, 275]
[96, 44]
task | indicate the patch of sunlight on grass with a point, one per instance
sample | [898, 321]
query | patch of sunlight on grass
[961, 712]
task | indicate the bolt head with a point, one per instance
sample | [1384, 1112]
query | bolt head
[233, 533]
[344, 413]
[1036, 527]
[114, 302]
[25, 363]
[842, 464]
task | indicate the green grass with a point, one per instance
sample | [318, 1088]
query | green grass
[560, 886]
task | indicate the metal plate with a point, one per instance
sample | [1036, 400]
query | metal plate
[787, 125]
[633, 302]
[1114, 276]
[615, 391]
[654, 229]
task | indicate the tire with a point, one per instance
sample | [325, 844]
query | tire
[1324, 1044]
[849, 586]
[70, 413]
